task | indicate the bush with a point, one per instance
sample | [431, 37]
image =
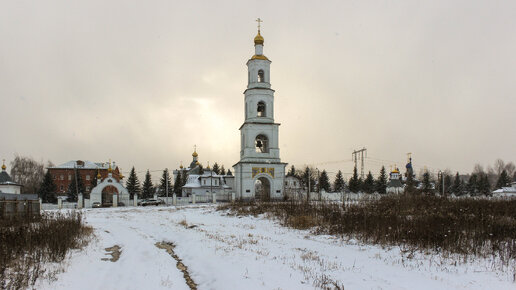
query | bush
[27, 243]
[458, 226]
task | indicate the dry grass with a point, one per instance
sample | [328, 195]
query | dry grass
[457, 226]
[27, 243]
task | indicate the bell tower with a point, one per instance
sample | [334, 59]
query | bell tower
[260, 172]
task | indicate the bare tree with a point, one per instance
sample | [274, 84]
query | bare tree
[510, 168]
[28, 172]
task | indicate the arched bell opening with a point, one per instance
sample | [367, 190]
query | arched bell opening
[261, 109]
[261, 144]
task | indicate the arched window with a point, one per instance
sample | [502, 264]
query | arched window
[261, 109]
[261, 144]
[261, 76]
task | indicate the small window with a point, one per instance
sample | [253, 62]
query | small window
[261, 78]
[69, 177]
[247, 190]
[87, 177]
[61, 177]
[87, 188]
[61, 188]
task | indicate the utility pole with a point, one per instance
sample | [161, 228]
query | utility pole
[355, 156]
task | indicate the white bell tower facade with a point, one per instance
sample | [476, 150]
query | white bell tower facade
[260, 173]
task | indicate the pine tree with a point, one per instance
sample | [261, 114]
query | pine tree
[308, 178]
[178, 183]
[472, 184]
[447, 183]
[324, 182]
[484, 186]
[410, 187]
[216, 168]
[456, 187]
[133, 184]
[47, 190]
[229, 173]
[381, 182]
[222, 170]
[503, 180]
[292, 171]
[369, 183]
[165, 182]
[338, 185]
[355, 183]
[148, 187]
[72, 188]
[427, 183]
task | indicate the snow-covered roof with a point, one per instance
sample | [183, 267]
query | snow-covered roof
[82, 165]
[5, 179]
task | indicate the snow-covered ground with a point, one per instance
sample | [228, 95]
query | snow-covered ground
[228, 252]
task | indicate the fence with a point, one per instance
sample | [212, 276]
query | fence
[19, 208]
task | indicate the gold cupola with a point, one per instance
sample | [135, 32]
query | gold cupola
[3, 165]
[258, 39]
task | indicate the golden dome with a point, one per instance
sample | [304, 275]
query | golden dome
[181, 166]
[98, 174]
[3, 165]
[194, 154]
[258, 39]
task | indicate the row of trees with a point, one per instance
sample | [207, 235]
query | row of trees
[165, 186]
[480, 182]
[320, 181]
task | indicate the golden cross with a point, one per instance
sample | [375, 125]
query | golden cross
[195, 148]
[259, 21]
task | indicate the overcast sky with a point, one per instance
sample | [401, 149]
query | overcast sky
[141, 82]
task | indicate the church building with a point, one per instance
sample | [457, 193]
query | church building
[260, 173]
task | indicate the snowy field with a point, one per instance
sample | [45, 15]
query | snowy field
[227, 252]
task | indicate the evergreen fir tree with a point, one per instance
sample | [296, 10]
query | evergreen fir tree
[447, 184]
[410, 187]
[216, 168]
[47, 190]
[484, 186]
[229, 173]
[354, 182]
[201, 169]
[426, 183]
[338, 185]
[222, 170]
[324, 182]
[165, 182]
[148, 187]
[369, 183]
[456, 187]
[381, 182]
[472, 186]
[307, 178]
[178, 183]
[292, 171]
[503, 180]
[133, 184]
[72, 188]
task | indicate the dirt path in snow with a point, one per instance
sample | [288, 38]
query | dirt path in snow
[169, 247]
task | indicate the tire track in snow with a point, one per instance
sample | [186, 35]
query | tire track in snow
[169, 247]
